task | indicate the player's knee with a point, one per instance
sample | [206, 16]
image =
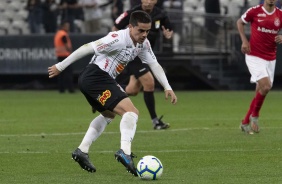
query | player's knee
[135, 111]
[265, 89]
[132, 91]
[108, 115]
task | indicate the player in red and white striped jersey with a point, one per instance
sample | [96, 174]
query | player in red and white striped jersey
[260, 54]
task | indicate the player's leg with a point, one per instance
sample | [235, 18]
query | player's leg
[148, 82]
[93, 90]
[97, 126]
[262, 72]
[133, 87]
[128, 124]
[263, 87]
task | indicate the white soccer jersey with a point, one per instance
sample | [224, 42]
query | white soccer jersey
[114, 51]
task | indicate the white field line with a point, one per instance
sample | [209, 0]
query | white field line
[153, 151]
[140, 131]
[81, 133]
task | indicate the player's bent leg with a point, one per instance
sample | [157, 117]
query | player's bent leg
[147, 81]
[133, 87]
[125, 105]
[264, 86]
[128, 124]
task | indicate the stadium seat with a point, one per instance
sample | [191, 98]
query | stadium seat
[4, 26]
[7, 15]
[19, 25]
[23, 13]
[14, 6]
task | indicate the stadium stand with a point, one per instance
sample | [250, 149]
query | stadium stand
[15, 11]
[209, 63]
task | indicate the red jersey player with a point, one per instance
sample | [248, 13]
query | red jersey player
[260, 54]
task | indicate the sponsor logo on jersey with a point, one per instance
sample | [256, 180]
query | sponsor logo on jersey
[277, 22]
[103, 98]
[157, 24]
[120, 67]
[114, 35]
[106, 64]
[264, 30]
[102, 47]
[121, 17]
[98, 42]
[261, 15]
[260, 20]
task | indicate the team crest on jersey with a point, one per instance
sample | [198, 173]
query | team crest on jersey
[277, 22]
[103, 98]
[157, 24]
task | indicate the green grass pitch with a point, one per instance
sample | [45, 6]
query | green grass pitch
[40, 129]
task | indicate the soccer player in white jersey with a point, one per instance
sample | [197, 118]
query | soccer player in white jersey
[260, 54]
[97, 83]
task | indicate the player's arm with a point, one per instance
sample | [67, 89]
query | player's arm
[76, 55]
[149, 57]
[245, 48]
[159, 74]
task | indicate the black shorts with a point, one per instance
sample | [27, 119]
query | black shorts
[100, 89]
[137, 68]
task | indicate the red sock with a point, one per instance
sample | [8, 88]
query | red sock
[258, 104]
[247, 117]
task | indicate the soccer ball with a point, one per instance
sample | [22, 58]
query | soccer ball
[149, 168]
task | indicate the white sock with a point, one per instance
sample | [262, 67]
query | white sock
[97, 126]
[128, 125]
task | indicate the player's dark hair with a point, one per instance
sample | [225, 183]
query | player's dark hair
[139, 16]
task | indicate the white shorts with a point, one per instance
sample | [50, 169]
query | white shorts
[260, 68]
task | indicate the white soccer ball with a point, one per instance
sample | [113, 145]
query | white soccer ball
[149, 168]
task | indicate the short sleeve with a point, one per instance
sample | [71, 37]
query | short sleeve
[248, 15]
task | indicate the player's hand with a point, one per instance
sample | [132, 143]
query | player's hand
[245, 48]
[167, 33]
[278, 39]
[53, 71]
[173, 98]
